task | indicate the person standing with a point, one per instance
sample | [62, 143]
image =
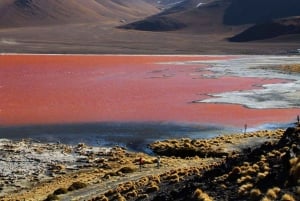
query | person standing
[158, 162]
[141, 163]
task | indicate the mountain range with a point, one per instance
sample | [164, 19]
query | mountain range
[149, 26]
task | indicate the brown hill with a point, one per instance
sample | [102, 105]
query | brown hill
[89, 26]
[223, 17]
[193, 15]
[14, 13]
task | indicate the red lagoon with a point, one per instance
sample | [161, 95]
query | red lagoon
[39, 89]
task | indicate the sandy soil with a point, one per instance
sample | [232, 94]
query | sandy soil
[104, 39]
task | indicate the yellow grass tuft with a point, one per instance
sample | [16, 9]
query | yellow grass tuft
[102, 198]
[287, 197]
[266, 199]
[152, 188]
[121, 198]
[262, 175]
[298, 190]
[235, 171]
[255, 167]
[201, 196]
[271, 194]
[295, 168]
[243, 190]
[110, 192]
[244, 179]
[276, 190]
[143, 196]
[155, 178]
[255, 194]
[251, 171]
[131, 194]
[197, 193]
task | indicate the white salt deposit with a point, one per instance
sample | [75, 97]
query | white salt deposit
[279, 95]
[22, 162]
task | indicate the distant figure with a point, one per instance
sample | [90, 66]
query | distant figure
[245, 127]
[141, 163]
[158, 162]
[298, 120]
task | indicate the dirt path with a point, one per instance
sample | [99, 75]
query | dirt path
[100, 188]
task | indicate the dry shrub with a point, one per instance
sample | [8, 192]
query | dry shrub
[51, 197]
[142, 196]
[77, 185]
[236, 170]
[234, 174]
[142, 181]
[271, 155]
[201, 196]
[298, 190]
[121, 198]
[152, 188]
[196, 171]
[181, 172]
[101, 198]
[120, 188]
[266, 167]
[255, 167]
[197, 193]
[287, 197]
[276, 190]
[260, 163]
[255, 194]
[127, 169]
[244, 179]
[154, 178]
[262, 175]
[251, 171]
[107, 176]
[175, 180]
[110, 192]
[243, 190]
[266, 199]
[172, 176]
[295, 169]
[60, 191]
[131, 194]
[271, 194]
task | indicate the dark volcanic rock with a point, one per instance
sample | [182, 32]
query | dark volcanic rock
[157, 23]
[269, 30]
[259, 11]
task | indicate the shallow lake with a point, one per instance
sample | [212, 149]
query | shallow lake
[132, 100]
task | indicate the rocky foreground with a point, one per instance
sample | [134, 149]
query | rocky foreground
[263, 165]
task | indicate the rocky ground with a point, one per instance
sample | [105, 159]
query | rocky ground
[261, 165]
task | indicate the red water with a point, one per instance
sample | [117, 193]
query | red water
[37, 89]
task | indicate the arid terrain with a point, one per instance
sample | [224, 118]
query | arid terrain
[139, 114]
[145, 27]
[262, 165]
